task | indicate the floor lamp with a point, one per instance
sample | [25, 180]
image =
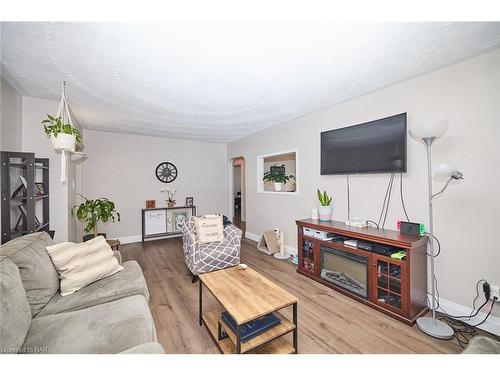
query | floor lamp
[428, 134]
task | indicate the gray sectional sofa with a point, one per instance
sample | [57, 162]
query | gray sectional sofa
[108, 316]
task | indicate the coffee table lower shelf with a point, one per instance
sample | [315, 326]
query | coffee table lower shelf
[276, 343]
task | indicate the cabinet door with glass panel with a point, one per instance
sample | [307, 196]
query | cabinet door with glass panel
[307, 257]
[389, 283]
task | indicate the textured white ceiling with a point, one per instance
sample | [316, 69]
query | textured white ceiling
[219, 82]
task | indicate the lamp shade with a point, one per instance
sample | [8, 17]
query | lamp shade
[445, 172]
[434, 129]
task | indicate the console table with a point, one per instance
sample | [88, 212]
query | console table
[395, 287]
[165, 221]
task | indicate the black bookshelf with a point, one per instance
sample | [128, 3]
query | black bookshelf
[21, 202]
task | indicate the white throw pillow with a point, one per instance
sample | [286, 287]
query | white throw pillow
[209, 228]
[80, 264]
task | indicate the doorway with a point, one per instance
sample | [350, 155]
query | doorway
[238, 201]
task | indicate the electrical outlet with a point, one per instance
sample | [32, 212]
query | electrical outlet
[495, 292]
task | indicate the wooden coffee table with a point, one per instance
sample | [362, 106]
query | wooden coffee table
[247, 295]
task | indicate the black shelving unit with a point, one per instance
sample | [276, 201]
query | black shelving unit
[34, 171]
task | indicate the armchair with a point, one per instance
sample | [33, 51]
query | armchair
[202, 258]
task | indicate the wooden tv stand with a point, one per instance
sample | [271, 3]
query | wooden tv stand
[395, 287]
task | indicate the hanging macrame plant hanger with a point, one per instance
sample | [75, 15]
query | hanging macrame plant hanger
[64, 142]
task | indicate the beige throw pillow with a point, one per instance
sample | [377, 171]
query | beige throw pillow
[80, 264]
[209, 228]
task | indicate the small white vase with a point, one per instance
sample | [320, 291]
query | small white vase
[64, 142]
[278, 186]
[325, 213]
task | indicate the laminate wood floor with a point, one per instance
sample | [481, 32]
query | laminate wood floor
[329, 322]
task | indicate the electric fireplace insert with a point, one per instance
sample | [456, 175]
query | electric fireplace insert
[345, 270]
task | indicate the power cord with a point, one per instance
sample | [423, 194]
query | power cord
[402, 197]
[438, 243]
[388, 201]
[385, 200]
[463, 331]
[371, 221]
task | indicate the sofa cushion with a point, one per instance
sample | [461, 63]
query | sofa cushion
[40, 278]
[149, 348]
[81, 264]
[15, 313]
[108, 328]
[209, 228]
[123, 284]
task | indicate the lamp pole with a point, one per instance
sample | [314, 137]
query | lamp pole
[432, 326]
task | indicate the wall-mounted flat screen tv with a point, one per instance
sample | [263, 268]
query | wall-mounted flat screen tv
[377, 146]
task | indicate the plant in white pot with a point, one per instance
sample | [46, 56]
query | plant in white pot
[63, 136]
[277, 176]
[325, 208]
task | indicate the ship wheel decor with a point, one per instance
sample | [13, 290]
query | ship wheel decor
[166, 172]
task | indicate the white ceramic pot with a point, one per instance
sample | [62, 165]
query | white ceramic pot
[64, 142]
[325, 213]
[278, 186]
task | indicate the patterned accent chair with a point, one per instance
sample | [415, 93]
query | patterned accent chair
[202, 258]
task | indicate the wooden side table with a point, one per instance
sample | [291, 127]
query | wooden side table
[114, 244]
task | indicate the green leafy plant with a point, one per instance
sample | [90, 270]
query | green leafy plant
[55, 125]
[94, 210]
[323, 198]
[276, 175]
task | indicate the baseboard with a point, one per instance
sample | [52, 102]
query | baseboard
[255, 237]
[130, 239]
[138, 238]
[491, 325]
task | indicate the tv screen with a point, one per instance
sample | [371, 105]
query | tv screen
[372, 147]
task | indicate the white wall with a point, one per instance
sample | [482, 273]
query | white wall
[466, 216]
[34, 139]
[122, 168]
[241, 163]
[10, 129]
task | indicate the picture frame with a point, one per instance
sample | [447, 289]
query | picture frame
[150, 203]
[189, 201]
[179, 219]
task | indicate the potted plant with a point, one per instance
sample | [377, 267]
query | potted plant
[276, 174]
[170, 197]
[63, 136]
[325, 209]
[94, 210]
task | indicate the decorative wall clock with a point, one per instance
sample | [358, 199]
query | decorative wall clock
[166, 172]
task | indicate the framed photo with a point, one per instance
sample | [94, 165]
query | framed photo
[180, 219]
[189, 201]
[151, 203]
[39, 190]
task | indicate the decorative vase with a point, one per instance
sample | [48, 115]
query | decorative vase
[64, 142]
[325, 213]
[278, 186]
[170, 204]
